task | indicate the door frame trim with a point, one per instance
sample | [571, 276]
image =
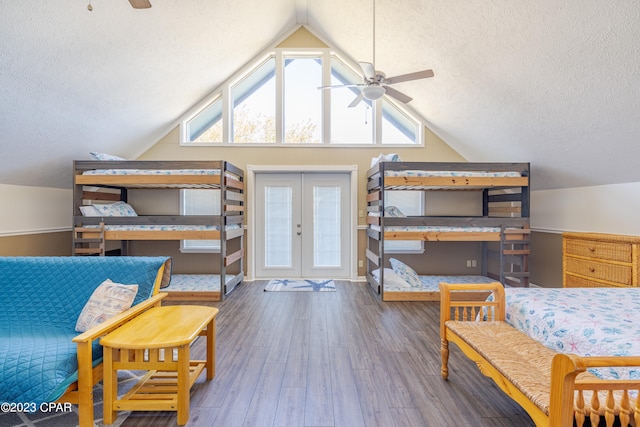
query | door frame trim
[251, 202]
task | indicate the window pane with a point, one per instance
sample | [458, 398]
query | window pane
[206, 126]
[302, 100]
[254, 106]
[349, 125]
[278, 226]
[409, 203]
[201, 202]
[397, 127]
[326, 226]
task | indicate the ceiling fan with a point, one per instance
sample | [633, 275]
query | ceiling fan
[376, 83]
[140, 4]
[136, 4]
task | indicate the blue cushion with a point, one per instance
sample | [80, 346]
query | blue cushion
[40, 300]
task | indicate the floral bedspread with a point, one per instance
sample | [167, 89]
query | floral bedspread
[582, 321]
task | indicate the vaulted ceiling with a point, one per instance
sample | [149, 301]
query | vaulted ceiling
[553, 83]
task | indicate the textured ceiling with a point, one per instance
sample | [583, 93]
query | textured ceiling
[552, 83]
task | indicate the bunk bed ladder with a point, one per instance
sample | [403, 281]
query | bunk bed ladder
[91, 243]
[514, 256]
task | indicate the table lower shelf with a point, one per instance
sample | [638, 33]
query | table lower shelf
[157, 390]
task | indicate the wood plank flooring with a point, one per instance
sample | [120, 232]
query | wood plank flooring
[341, 358]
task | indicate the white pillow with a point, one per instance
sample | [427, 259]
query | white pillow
[104, 156]
[115, 209]
[89, 210]
[107, 300]
[392, 157]
[406, 272]
[390, 278]
[393, 211]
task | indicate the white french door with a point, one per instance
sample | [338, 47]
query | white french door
[302, 225]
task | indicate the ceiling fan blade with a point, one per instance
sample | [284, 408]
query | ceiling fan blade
[368, 70]
[338, 86]
[356, 101]
[397, 95]
[411, 76]
[140, 4]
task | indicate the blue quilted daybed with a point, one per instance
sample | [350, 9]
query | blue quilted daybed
[41, 355]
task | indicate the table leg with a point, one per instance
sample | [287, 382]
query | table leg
[110, 383]
[184, 358]
[211, 349]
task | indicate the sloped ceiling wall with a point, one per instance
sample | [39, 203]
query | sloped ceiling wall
[552, 83]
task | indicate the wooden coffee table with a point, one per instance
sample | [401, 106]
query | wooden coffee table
[158, 341]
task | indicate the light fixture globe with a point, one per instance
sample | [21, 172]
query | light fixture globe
[373, 92]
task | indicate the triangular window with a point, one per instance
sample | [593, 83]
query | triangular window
[277, 101]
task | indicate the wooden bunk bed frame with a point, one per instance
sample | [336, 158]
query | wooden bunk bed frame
[230, 182]
[505, 207]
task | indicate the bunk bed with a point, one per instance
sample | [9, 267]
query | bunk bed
[102, 215]
[502, 227]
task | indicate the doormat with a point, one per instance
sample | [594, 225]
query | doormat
[317, 285]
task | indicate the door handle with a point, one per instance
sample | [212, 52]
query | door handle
[299, 233]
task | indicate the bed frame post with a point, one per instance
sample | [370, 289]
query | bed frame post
[223, 230]
[381, 206]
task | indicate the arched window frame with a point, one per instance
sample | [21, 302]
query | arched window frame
[223, 97]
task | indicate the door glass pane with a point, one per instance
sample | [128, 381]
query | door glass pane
[278, 226]
[326, 226]
[302, 100]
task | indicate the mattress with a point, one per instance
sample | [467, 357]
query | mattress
[437, 229]
[158, 227]
[165, 227]
[152, 172]
[467, 174]
[196, 282]
[582, 321]
[430, 283]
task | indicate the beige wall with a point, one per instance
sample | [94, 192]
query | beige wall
[168, 148]
[41, 244]
[35, 221]
[545, 262]
[603, 208]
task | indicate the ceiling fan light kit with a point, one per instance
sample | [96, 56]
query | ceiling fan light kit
[373, 92]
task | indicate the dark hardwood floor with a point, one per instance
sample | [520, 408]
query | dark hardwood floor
[341, 358]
